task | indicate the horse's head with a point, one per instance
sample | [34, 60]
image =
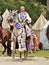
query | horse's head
[13, 17]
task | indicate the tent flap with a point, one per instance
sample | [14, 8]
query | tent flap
[5, 15]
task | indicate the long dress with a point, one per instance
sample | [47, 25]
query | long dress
[30, 44]
[36, 43]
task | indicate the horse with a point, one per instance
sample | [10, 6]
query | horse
[6, 46]
[2, 37]
[12, 20]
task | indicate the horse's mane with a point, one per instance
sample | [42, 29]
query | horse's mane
[47, 32]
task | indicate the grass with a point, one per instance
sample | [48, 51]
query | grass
[42, 53]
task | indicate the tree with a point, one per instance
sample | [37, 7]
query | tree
[48, 5]
[35, 0]
[11, 0]
[42, 1]
[34, 9]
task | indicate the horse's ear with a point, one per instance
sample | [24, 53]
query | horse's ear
[10, 11]
[16, 11]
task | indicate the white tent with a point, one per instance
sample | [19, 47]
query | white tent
[5, 15]
[38, 25]
[43, 37]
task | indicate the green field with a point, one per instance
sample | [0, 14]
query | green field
[43, 53]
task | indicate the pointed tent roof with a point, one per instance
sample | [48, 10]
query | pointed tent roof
[39, 23]
[5, 15]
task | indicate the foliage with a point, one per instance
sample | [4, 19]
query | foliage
[34, 9]
[47, 15]
[42, 1]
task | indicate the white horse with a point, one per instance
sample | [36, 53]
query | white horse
[13, 20]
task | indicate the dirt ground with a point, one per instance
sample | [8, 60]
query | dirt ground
[29, 61]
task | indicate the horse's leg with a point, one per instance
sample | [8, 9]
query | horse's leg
[4, 45]
[9, 48]
[4, 48]
[20, 55]
[26, 52]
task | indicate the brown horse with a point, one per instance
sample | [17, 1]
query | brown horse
[7, 34]
[8, 45]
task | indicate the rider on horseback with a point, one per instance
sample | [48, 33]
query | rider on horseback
[26, 20]
[24, 16]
